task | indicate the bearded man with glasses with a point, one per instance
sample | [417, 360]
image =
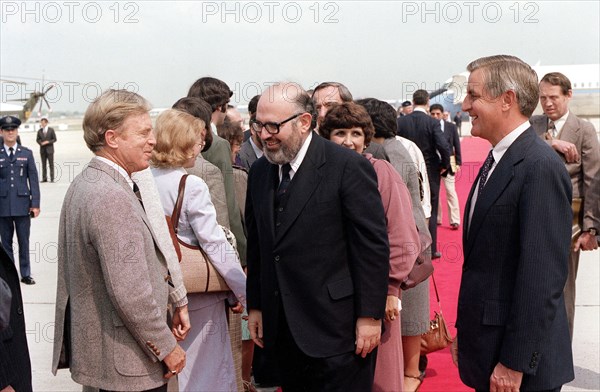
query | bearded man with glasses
[318, 262]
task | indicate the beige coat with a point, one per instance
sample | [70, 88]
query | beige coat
[111, 275]
[583, 135]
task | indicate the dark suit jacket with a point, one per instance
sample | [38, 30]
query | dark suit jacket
[15, 366]
[583, 135]
[426, 133]
[451, 134]
[511, 307]
[50, 137]
[327, 261]
[247, 155]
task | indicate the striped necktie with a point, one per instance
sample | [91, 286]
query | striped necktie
[485, 171]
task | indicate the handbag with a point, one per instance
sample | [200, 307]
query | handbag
[438, 337]
[199, 275]
[422, 269]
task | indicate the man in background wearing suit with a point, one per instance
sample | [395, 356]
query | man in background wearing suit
[512, 324]
[449, 180]
[576, 142]
[15, 365]
[19, 194]
[113, 281]
[46, 137]
[426, 133]
[251, 148]
[318, 254]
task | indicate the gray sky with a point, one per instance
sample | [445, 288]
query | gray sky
[381, 49]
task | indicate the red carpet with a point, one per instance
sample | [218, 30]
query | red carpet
[442, 375]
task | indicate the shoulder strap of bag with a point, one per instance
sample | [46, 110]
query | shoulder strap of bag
[437, 296]
[178, 203]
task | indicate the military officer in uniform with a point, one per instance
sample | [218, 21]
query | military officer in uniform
[19, 194]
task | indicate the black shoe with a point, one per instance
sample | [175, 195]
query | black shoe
[422, 365]
[44, 181]
[28, 280]
[436, 255]
[454, 226]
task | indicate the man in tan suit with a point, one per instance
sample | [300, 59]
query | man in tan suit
[575, 140]
[113, 282]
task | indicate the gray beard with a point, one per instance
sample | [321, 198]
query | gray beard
[286, 152]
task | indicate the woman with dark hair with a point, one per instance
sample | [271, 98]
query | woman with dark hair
[415, 312]
[350, 126]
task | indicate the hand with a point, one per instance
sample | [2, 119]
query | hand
[237, 308]
[443, 170]
[8, 389]
[175, 361]
[586, 241]
[368, 335]
[504, 379]
[36, 212]
[567, 149]
[181, 323]
[454, 351]
[457, 169]
[255, 326]
[391, 308]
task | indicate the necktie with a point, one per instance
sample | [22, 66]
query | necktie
[552, 129]
[11, 155]
[136, 190]
[485, 170]
[285, 180]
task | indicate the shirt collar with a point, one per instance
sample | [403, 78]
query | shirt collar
[6, 148]
[560, 122]
[297, 161]
[257, 151]
[117, 168]
[505, 143]
[420, 109]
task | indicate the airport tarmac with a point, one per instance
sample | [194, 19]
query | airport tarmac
[71, 155]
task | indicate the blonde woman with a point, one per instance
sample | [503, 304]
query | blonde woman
[179, 140]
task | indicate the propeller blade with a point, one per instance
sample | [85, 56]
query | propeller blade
[49, 88]
[47, 104]
[40, 108]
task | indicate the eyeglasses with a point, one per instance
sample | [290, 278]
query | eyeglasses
[271, 127]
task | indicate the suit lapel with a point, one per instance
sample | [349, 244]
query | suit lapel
[495, 186]
[118, 178]
[265, 199]
[570, 129]
[303, 185]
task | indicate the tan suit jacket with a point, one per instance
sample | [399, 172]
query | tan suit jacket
[213, 178]
[111, 301]
[583, 135]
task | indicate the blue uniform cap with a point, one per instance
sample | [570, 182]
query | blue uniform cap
[9, 122]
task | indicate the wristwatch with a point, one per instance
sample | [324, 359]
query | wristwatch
[593, 231]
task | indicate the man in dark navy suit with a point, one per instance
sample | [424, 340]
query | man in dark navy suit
[318, 252]
[46, 137]
[19, 194]
[513, 333]
[427, 134]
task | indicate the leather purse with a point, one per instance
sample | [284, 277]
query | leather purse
[422, 269]
[199, 275]
[438, 337]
